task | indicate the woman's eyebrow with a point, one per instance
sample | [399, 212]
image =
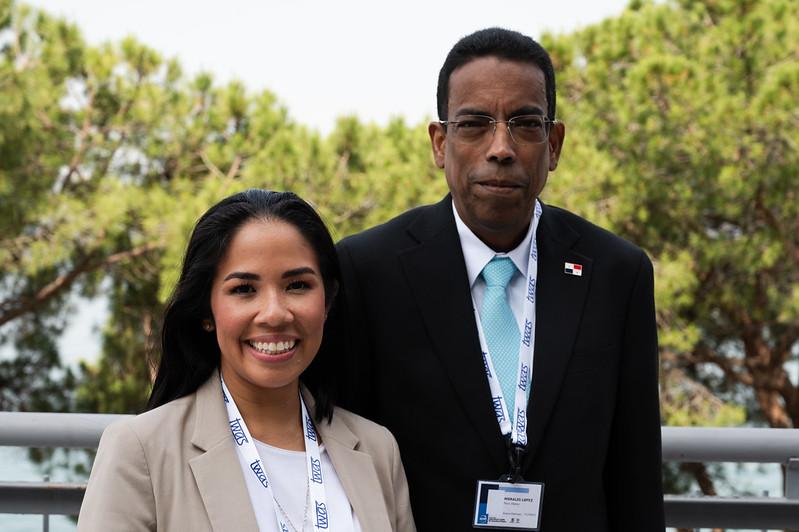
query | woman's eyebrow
[298, 271]
[247, 276]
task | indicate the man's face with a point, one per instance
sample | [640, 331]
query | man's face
[494, 182]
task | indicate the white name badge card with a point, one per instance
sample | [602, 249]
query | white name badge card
[506, 505]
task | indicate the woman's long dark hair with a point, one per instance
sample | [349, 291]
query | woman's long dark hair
[189, 354]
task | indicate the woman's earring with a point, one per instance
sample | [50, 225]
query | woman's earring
[208, 325]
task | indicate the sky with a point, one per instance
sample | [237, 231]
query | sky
[323, 59]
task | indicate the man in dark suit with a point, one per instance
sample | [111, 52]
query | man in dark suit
[419, 307]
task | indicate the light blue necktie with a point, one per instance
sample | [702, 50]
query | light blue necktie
[500, 328]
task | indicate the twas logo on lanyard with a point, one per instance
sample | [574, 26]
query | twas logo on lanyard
[316, 470]
[321, 515]
[259, 473]
[238, 432]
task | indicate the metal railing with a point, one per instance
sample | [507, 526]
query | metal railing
[740, 445]
[680, 444]
[47, 430]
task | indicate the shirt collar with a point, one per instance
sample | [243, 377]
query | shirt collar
[477, 254]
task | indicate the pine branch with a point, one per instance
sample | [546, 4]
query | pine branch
[14, 308]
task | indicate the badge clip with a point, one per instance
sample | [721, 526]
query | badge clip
[515, 456]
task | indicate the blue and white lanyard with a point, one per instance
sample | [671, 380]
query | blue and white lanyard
[258, 483]
[524, 374]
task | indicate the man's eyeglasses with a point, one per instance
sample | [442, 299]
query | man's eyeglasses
[524, 129]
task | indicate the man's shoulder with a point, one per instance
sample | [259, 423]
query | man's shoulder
[391, 233]
[592, 239]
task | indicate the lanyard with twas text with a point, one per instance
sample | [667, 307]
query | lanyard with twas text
[518, 431]
[258, 483]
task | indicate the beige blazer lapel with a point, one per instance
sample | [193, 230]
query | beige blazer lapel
[355, 470]
[217, 471]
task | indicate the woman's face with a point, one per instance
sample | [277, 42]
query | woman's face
[268, 305]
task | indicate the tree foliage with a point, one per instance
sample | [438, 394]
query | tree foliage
[108, 155]
[684, 140]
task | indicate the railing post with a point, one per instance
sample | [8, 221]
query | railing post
[792, 479]
[46, 517]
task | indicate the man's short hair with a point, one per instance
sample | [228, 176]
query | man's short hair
[497, 42]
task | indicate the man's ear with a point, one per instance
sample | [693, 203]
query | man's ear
[556, 136]
[438, 140]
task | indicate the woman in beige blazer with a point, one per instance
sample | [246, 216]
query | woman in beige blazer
[241, 400]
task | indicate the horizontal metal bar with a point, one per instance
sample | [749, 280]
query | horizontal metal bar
[680, 444]
[37, 429]
[41, 498]
[681, 511]
[706, 444]
[731, 512]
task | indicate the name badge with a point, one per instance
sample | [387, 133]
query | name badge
[506, 505]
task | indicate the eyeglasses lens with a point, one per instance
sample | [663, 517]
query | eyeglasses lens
[526, 129]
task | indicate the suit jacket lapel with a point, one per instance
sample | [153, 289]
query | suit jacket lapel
[220, 480]
[217, 471]
[559, 307]
[445, 304]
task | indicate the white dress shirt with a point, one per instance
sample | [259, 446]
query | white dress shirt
[477, 254]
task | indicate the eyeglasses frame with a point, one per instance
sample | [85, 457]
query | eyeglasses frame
[548, 123]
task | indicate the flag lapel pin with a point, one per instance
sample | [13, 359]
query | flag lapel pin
[573, 269]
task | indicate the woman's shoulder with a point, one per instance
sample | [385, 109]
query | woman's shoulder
[154, 425]
[370, 435]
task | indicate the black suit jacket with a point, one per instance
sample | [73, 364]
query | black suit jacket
[405, 334]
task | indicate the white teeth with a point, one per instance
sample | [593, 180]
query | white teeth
[274, 348]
